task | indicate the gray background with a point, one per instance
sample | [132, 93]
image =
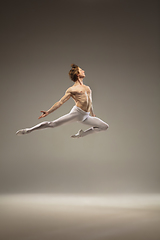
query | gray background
[117, 44]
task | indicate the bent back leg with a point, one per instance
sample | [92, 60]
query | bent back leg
[96, 124]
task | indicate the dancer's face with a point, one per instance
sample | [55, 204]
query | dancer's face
[81, 73]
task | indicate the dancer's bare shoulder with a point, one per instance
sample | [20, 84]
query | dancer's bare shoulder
[69, 90]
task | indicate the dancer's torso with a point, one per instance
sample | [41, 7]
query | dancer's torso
[82, 96]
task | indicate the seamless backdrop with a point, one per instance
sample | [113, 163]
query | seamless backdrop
[117, 44]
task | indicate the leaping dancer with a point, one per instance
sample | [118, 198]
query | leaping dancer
[81, 112]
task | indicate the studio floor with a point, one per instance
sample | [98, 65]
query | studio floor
[70, 217]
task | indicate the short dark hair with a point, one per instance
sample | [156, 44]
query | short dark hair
[73, 73]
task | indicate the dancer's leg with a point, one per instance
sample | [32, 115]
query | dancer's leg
[70, 117]
[97, 125]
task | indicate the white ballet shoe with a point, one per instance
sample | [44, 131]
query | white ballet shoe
[79, 134]
[22, 132]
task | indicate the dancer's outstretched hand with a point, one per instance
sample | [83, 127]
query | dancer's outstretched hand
[44, 114]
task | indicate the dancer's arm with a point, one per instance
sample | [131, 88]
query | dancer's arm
[65, 98]
[91, 111]
[91, 107]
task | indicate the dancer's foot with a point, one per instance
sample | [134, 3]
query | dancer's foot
[22, 132]
[78, 135]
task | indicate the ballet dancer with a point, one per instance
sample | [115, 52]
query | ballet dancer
[81, 112]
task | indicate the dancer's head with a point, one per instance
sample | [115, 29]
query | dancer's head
[73, 73]
[76, 72]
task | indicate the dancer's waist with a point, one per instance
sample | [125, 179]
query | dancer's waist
[80, 110]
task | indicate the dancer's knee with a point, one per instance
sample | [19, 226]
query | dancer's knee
[101, 128]
[104, 127]
[53, 124]
[46, 124]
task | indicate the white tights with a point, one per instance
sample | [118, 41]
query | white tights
[76, 114]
